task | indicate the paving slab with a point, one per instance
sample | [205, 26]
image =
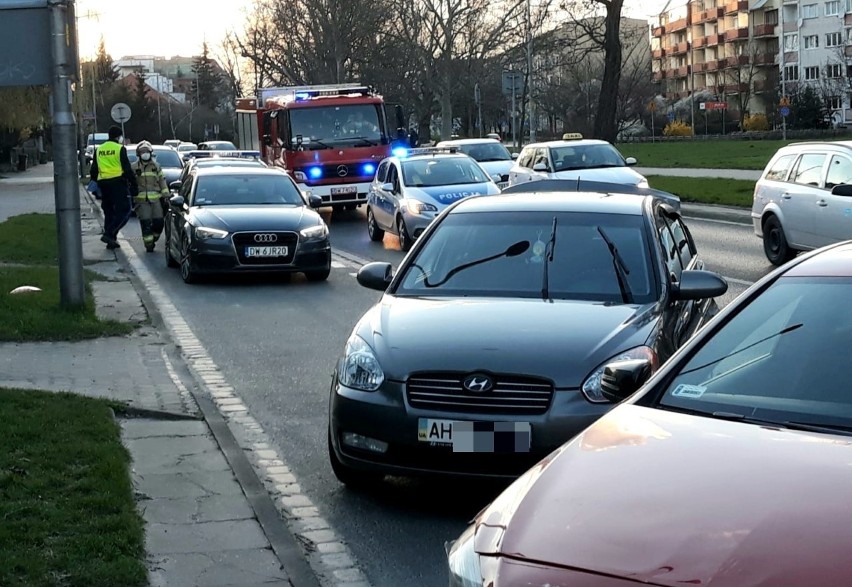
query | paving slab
[243, 568]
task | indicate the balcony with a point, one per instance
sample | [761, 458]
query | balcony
[764, 30]
[791, 57]
[698, 42]
[677, 25]
[699, 67]
[711, 40]
[659, 76]
[847, 19]
[680, 48]
[732, 7]
[711, 65]
[762, 85]
[735, 61]
[791, 27]
[711, 14]
[658, 53]
[682, 71]
[765, 59]
[734, 34]
[736, 88]
[659, 31]
[848, 51]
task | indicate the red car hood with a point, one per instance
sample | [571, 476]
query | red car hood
[671, 499]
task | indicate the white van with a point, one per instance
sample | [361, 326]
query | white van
[92, 141]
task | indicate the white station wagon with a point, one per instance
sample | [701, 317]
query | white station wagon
[803, 200]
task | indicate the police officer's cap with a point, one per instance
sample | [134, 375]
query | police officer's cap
[114, 132]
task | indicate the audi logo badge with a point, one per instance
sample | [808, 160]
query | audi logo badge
[266, 238]
[478, 383]
[342, 171]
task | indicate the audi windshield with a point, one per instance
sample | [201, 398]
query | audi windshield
[246, 190]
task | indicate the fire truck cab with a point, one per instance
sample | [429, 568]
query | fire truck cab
[329, 138]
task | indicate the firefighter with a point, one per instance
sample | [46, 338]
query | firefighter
[148, 203]
[114, 177]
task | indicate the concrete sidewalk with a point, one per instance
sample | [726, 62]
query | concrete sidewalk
[743, 174]
[201, 530]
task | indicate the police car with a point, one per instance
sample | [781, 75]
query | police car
[413, 186]
[575, 158]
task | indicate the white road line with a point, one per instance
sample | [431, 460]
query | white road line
[329, 557]
[717, 221]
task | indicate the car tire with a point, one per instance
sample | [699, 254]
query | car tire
[405, 240]
[318, 275]
[167, 245]
[186, 271]
[775, 245]
[352, 478]
[376, 233]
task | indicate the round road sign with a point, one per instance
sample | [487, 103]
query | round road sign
[120, 112]
[785, 111]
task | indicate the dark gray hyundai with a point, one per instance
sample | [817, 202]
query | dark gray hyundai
[486, 351]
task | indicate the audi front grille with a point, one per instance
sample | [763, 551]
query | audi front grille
[510, 394]
[281, 239]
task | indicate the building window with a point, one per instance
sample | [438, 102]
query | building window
[791, 42]
[791, 73]
[834, 71]
[832, 8]
[833, 39]
[811, 73]
[772, 16]
[835, 102]
[810, 11]
[848, 5]
[811, 41]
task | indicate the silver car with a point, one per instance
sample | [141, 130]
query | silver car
[491, 155]
[803, 199]
[410, 189]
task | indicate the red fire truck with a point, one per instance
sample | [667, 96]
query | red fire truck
[329, 138]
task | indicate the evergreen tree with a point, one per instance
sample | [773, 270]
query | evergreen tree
[142, 125]
[106, 73]
[207, 85]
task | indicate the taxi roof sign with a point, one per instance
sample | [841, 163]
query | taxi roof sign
[572, 136]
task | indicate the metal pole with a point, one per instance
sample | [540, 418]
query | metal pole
[514, 118]
[65, 186]
[530, 76]
[782, 65]
[94, 97]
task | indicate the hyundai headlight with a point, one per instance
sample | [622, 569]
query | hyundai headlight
[465, 569]
[205, 233]
[418, 207]
[359, 368]
[315, 232]
[592, 384]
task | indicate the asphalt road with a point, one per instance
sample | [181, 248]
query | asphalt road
[276, 341]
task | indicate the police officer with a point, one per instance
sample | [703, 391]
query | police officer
[152, 191]
[114, 176]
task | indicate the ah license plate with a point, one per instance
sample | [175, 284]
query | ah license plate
[350, 189]
[266, 251]
[489, 437]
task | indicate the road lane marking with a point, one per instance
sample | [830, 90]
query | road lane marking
[329, 557]
[717, 221]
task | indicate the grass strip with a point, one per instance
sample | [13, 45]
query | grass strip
[701, 154]
[66, 500]
[29, 239]
[701, 190]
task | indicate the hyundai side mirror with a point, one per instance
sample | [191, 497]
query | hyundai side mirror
[631, 161]
[697, 284]
[375, 275]
[621, 379]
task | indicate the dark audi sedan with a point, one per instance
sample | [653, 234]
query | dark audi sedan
[487, 349]
[729, 468]
[241, 219]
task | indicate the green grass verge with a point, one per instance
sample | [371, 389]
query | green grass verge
[702, 154]
[29, 239]
[66, 501]
[729, 192]
[39, 315]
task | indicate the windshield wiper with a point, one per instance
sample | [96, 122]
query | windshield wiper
[314, 144]
[790, 328]
[548, 258]
[789, 424]
[621, 269]
[367, 142]
[513, 251]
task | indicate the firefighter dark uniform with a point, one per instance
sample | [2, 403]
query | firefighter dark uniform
[152, 190]
[116, 182]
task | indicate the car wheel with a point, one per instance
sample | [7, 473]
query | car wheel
[170, 261]
[775, 243]
[405, 240]
[318, 275]
[186, 272]
[352, 478]
[376, 233]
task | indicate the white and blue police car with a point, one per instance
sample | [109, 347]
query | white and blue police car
[413, 186]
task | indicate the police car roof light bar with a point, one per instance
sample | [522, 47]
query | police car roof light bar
[431, 150]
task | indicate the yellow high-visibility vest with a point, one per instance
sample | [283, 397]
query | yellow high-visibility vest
[109, 160]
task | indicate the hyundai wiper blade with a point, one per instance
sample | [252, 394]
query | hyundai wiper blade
[548, 259]
[621, 269]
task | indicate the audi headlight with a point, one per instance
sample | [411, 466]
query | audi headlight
[315, 232]
[465, 569]
[418, 207]
[205, 233]
[359, 368]
[592, 384]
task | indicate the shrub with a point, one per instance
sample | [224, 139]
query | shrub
[755, 122]
[676, 128]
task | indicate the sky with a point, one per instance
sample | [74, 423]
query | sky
[178, 27]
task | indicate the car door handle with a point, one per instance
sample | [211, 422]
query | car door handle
[786, 196]
[822, 203]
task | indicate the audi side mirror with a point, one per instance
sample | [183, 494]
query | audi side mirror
[175, 186]
[375, 275]
[177, 201]
[315, 201]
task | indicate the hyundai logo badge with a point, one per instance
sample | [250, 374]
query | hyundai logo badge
[478, 383]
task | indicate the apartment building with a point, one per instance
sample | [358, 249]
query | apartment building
[749, 53]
